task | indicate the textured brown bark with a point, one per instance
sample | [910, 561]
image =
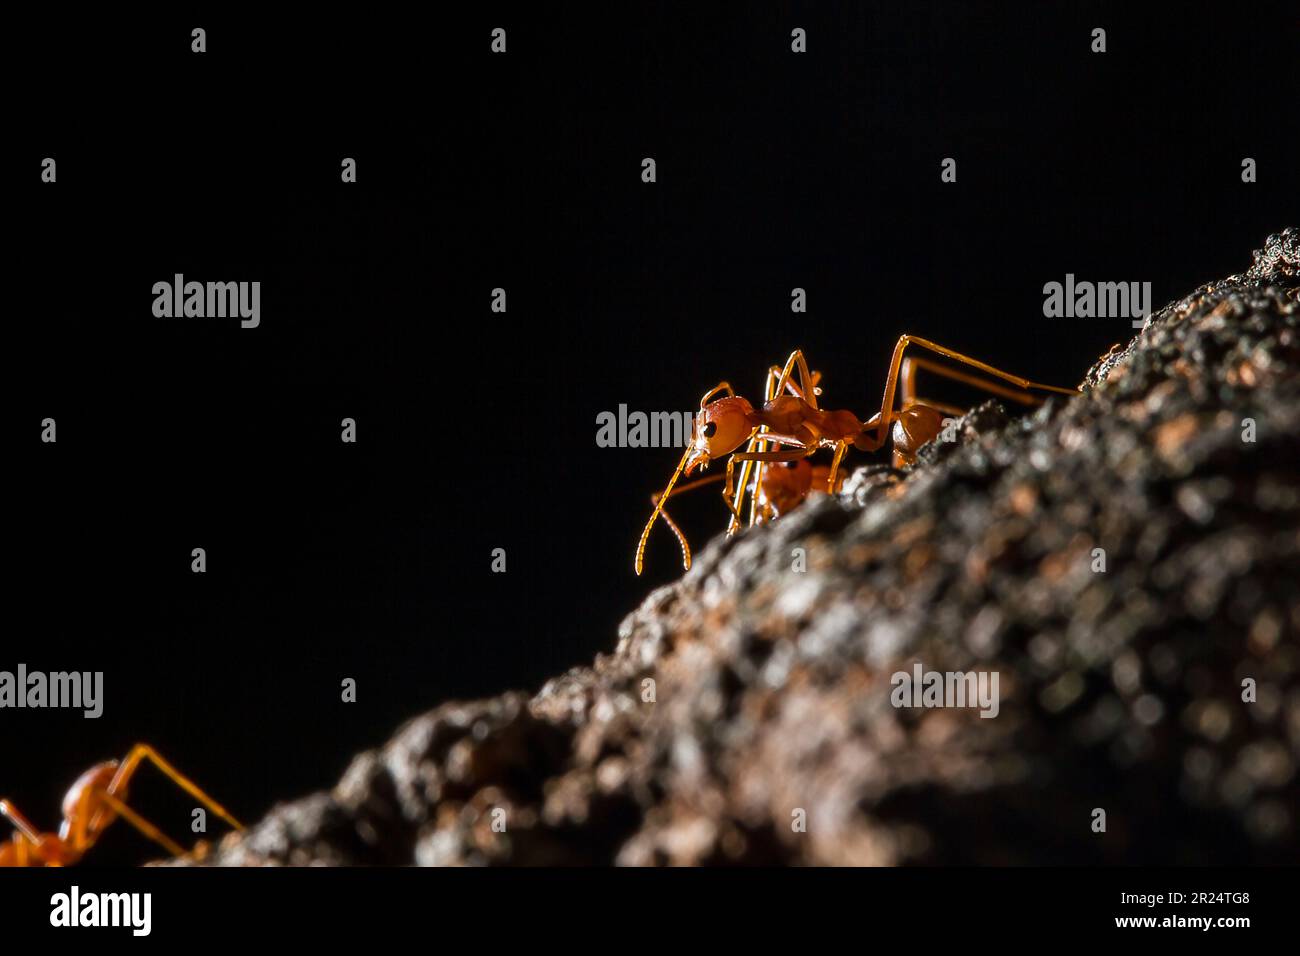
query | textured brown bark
[1120, 690]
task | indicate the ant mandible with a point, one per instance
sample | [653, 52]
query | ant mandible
[92, 803]
[791, 419]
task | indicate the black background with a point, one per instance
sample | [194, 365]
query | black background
[477, 430]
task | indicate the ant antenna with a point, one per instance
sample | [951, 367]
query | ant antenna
[640, 548]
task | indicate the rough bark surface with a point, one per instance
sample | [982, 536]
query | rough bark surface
[1120, 690]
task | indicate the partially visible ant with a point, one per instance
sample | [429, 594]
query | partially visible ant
[92, 803]
[791, 419]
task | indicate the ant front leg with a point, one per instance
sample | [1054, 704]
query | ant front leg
[796, 450]
[840, 448]
[734, 500]
[775, 456]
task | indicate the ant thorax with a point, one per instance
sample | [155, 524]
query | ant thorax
[786, 414]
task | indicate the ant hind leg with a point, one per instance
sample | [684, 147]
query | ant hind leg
[137, 821]
[887, 413]
[144, 752]
[907, 385]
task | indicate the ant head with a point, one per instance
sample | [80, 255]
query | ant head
[720, 428]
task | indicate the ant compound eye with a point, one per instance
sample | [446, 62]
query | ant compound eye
[710, 429]
[792, 465]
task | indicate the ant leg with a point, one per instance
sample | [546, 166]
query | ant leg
[733, 496]
[840, 448]
[774, 375]
[26, 840]
[20, 822]
[774, 456]
[137, 821]
[720, 387]
[735, 500]
[81, 841]
[145, 752]
[761, 457]
[733, 523]
[955, 411]
[907, 381]
[807, 383]
[891, 380]
[907, 386]
[796, 449]
[777, 438]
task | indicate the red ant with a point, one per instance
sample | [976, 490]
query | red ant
[790, 418]
[91, 805]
